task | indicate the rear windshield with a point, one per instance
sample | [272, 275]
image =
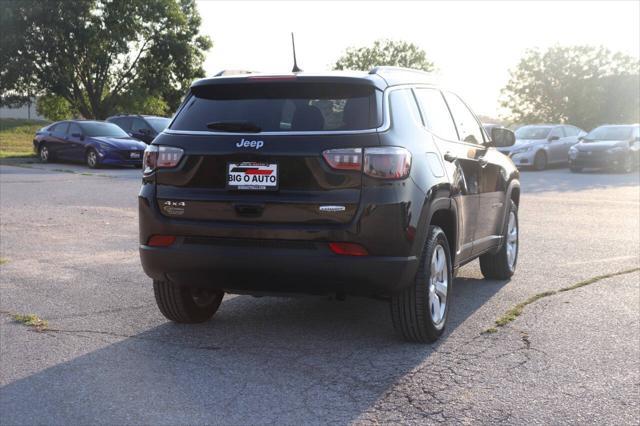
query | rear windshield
[280, 107]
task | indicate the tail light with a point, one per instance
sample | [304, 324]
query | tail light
[387, 162]
[348, 249]
[344, 159]
[161, 157]
[161, 240]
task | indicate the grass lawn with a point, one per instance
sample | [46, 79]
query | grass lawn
[16, 136]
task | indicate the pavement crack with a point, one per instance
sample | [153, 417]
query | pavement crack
[513, 313]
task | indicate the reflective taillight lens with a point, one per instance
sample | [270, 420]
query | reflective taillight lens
[161, 157]
[387, 162]
[344, 159]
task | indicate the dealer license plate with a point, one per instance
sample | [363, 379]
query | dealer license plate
[252, 176]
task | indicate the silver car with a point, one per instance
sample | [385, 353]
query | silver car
[542, 145]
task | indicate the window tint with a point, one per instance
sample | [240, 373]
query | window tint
[61, 129]
[98, 128]
[556, 131]
[138, 124]
[436, 114]
[571, 131]
[281, 106]
[74, 128]
[466, 123]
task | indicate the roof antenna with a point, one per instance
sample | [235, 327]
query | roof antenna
[295, 62]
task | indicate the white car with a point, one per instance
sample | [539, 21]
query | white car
[538, 146]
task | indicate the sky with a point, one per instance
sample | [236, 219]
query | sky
[473, 44]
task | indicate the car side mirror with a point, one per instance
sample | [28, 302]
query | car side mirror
[580, 138]
[553, 138]
[501, 137]
[637, 139]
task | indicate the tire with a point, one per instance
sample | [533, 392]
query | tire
[413, 309]
[45, 155]
[626, 166]
[540, 161]
[186, 305]
[501, 266]
[575, 169]
[92, 159]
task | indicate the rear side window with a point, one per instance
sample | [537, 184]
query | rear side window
[436, 114]
[281, 107]
[61, 129]
[466, 123]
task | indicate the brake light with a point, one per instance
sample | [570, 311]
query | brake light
[161, 157]
[344, 159]
[387, 162]
[161, 240]
[348, 249]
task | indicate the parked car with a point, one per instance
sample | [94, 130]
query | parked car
[94, 142]
[374, 184]
[542, 145]
[614, 147]
[141, 127]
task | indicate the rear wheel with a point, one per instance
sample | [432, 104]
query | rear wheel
[186, 304]
[540, 161]
[45, 154]
[502, 265]
[92, 159]
[419, 312]
[627, 165]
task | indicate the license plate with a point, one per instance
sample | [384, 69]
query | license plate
[252, 176]
[134, 155]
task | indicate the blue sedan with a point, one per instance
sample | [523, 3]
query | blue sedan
[95, 143]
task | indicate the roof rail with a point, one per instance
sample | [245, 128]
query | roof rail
[233, 72]
[400, 74]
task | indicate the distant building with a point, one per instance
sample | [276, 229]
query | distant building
[26, 111]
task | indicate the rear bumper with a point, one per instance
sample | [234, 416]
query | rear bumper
[272, 266]
[246, 257]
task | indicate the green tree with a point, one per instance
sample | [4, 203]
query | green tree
[101, 56]
[384, 52]
[54, 108]
[581, 85]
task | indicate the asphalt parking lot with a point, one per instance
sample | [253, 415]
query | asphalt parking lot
[69, 246]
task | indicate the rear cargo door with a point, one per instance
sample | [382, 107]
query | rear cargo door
[253, 152]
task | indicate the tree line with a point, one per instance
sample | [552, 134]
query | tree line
[95, 58]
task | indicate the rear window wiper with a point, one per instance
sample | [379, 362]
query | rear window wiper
[234, 126]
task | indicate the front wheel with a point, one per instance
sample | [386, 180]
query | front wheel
[186, 304]
[502, 265]
[540, 161]
[420, 311]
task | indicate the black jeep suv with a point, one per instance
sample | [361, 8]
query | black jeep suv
[375, 184]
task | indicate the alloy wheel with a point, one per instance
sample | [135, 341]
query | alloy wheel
[438, 286]
[512, 241]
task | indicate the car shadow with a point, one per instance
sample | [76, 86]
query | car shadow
[262, 360]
